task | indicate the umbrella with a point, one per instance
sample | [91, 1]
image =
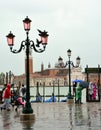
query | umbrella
[77, 80]
[84, 84]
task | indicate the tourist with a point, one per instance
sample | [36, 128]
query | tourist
[94, 91]
[90, 91]
[7, 96]
[74, 88]
[3, 91]
[23, 92]
[78, 94]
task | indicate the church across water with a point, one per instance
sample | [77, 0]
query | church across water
[50, 75]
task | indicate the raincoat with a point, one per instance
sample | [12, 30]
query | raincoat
[7, 93]
[78, 92]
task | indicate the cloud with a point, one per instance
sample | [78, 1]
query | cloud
[74, 24]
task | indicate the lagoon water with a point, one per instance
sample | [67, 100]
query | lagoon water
[47, 91]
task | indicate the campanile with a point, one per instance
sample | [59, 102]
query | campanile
[30, 62]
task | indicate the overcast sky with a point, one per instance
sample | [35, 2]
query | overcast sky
[71, 24]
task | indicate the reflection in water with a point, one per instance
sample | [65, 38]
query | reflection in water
[6, 119]
[89, 118]
[70, 117]
[28, 125]
[88, 115]
[17, 114]
[78, 115]
[56, 115]
[100, 114]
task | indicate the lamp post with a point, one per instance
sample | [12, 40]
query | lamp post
[27, 45]
[70, 63]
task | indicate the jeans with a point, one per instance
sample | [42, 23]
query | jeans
[6, 103]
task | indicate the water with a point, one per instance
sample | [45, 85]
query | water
[47, 91]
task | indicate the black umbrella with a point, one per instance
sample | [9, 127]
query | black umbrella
[84, 84]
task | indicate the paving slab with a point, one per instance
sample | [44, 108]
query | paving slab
[55, 116]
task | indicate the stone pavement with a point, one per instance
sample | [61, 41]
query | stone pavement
[55, 116]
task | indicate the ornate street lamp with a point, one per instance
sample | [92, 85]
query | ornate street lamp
[70, 63]
[27, 45]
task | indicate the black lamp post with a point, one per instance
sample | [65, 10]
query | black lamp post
[69, 63]
[27, 45]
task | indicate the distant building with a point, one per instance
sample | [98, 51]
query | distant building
[47, 77]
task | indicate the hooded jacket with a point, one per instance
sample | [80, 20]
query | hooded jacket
[7, 93]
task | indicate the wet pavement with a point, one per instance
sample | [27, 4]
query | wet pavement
[55, 116]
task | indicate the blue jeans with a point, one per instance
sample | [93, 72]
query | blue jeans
[6, 103]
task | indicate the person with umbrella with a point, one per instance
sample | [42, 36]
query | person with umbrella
[74, 88]
[78, 94]
[75, 85]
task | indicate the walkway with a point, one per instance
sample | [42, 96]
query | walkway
[55, 116]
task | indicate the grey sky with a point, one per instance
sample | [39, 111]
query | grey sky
[72, 24]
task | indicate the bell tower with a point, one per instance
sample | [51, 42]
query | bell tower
[30, 62]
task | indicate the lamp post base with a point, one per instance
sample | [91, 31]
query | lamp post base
[27, 117]
[70, 101]
[27, 109]
[70, 96]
